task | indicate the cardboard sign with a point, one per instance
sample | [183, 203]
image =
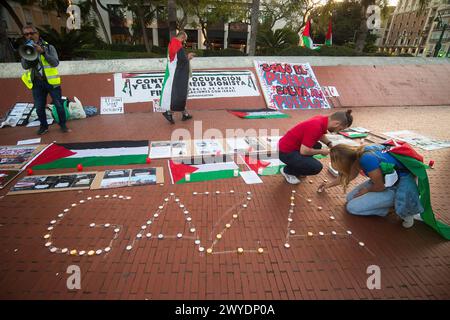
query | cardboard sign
[291, 86]
[111, 105]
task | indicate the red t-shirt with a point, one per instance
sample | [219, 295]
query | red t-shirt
[306, 133]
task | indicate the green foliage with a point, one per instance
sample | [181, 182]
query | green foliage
[67, 42]
[298, 51]
[337, 51]
[269, 42]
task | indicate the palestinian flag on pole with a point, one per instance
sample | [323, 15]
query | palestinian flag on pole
[263, 165]
[197, 169]
[413, 161]
[258, 114]
[307, 41]
[89, 154]
[329, 36]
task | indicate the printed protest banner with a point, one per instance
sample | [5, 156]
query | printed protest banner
[146, 87]
[290, 86]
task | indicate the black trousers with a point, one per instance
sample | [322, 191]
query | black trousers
[299, 165]
[40, 91]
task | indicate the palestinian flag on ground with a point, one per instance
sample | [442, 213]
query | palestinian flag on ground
[329, 36]
[306, 36]
[413, 161]
[258, 114]
[88, 154]
[197, 169]
[263, 165]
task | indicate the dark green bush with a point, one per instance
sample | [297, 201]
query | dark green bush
[337, 51]
[298, 51]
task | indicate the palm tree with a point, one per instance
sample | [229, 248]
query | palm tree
[172, 17]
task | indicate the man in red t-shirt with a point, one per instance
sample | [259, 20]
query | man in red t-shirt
[299, 144]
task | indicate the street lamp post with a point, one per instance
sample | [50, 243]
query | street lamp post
[437, 48]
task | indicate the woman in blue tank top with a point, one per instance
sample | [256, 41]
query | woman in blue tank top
[390, 184]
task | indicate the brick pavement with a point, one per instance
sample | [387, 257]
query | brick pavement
[414, 263]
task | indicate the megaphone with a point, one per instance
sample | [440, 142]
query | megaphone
[28, 51]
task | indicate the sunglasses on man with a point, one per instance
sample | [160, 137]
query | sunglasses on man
[29, 33]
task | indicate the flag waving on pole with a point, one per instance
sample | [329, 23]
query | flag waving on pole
[306, 36]
[329, 36]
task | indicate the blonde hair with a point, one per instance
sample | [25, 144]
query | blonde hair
[343, 158]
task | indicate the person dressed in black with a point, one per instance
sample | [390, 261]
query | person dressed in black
[176, 81]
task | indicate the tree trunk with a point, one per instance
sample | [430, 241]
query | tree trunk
[6, 52]
[254, 25]
[140, 14]
[172, 17]
[205, 34]
[100, 20]
[363, 30]
[11, 12]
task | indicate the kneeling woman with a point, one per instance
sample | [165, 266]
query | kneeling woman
[375, 196]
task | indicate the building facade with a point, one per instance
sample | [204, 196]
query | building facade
[414, 31]
[29, 14]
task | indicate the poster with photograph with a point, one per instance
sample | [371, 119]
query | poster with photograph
[167, 149]
[18, 115]
[6, 176]
[115, 178]
[208, 147]
[237, 144]
[160, 149]
[15, 157]
[142, 177]
[270, 142]
[180, 148]
[56, 182]
[119, 178]
[418, 140]
[255, 144]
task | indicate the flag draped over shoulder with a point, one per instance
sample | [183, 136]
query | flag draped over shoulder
[104, 153]
[176, 78]
[329, 36]
[413, 161]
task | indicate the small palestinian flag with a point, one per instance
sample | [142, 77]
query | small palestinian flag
[88, 154]
[353, 134]
[258, 114]
[263, 165]
[329, 36]
[200, 169]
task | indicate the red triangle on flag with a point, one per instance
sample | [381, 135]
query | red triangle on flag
[179, 170]
[52, 153]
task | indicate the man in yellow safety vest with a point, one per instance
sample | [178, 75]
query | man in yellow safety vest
[41, 76]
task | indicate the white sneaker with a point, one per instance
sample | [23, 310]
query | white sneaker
[289, 178]
[408, 222]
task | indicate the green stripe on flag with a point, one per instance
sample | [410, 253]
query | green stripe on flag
[93, 161]
[268, 171]
[272, 116]
[208, 176]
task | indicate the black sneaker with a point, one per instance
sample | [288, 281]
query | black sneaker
[65, 129]
[186, 116]
[169, 117]
[42, 130]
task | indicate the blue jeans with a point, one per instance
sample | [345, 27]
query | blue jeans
[40, 90]
[372, 203]
[299, 165]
